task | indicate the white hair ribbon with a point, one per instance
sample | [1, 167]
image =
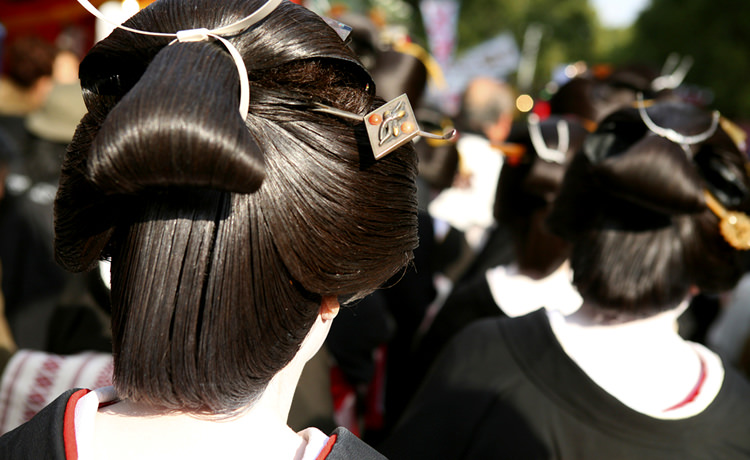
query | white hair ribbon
[537, 140]
[673, 73]
[680, 139]
[203, 34]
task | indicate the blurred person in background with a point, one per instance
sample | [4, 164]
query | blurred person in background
[32, 282]
[484, 120]
[45, 313]
[24, 85]
[371, 341]
[539, 273]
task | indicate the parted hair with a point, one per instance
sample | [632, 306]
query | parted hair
[632, 203]
[224, 235]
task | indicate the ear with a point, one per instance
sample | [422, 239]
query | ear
[329, 307]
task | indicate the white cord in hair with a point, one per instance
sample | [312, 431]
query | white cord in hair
[204, 34]
[668, 133]
[537, 140]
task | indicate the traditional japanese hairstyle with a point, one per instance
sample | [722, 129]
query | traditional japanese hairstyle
[633, 203]
[593, 96]
[224, 233]
[528, 185]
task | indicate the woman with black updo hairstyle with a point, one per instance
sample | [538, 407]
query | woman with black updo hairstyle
[232, 241]
[654, 207]
[536, 272]
[600, 91]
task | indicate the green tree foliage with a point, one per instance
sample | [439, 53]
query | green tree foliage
[715, 33]
[569, 28]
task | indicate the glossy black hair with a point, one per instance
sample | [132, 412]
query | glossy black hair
[593, 97]
[633, 206]
[526, 191]
[225, 234]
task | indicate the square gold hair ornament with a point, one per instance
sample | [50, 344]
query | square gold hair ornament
[391, 126]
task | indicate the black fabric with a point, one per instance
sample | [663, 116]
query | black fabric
[408, 299]
[14, 133]
[31, 279]
[356, 333]
[350, 447]
[468, 302]
[497, 250]
[504, 388]
[43, 160]
[41, 438]
[47, 308]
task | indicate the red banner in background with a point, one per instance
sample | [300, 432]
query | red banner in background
[47, 18]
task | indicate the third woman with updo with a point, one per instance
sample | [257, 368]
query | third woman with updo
[654, 208]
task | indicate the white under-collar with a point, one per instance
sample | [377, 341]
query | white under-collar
[517, 294]
[85, 416]
[316, 441]
[644, 364]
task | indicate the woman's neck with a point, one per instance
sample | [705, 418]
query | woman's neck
[643, 362]
[593, 320]
[260, 431]
[131, 430]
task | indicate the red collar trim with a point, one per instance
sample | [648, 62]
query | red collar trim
[695, 391]
[69, 429]
[327, 448]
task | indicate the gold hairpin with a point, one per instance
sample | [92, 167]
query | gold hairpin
[734, 225]
[736, 133]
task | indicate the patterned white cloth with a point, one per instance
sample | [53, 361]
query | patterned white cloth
[33, 379]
